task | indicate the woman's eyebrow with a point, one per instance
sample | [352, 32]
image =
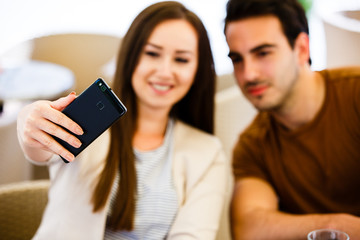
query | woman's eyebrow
[182, 51]
[153, 45]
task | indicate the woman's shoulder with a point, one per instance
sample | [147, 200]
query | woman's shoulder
[196, 153]
[196, 146]
[192, 135]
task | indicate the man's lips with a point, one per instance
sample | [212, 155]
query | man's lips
[256, 90]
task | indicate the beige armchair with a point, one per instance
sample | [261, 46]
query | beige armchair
[232, 115]
[22, 205]
[342, 33]
[13, 166]
[233, 112]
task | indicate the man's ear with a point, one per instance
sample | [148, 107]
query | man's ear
[302, 48]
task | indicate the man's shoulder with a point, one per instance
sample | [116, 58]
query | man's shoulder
[340, 73]
[259, 127]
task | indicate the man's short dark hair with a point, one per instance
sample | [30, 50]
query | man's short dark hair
[290, 13]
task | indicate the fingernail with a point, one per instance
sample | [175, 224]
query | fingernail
[77, 143]
[79, 131]
[73, 93]
[69, 157]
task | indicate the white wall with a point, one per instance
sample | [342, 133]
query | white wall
[22, 19]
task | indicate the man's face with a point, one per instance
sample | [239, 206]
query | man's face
[265, 66]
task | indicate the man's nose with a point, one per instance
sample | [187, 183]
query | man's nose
[250, 71]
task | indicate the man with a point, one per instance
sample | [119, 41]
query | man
[297, 166]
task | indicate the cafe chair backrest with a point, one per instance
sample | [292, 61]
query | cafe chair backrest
[342, 34]
[87, 55]
[21, 208]
[233, 113]
[13, 165]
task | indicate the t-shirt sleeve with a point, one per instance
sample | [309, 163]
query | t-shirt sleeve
[357, 95]
[351, 92]
[247, 159]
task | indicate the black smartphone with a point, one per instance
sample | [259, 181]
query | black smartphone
[95, 110]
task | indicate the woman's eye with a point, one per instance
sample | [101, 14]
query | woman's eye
[151, 53]
[181, 60]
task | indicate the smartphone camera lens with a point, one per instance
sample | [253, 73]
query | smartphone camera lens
[102, 87]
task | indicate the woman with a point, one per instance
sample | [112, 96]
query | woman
[158, 173]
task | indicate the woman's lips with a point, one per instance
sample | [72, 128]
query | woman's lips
[162, 88]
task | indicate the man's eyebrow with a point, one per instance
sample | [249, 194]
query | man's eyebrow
[260, 47]
[253, 50]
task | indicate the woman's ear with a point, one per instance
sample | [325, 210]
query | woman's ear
[302, 48]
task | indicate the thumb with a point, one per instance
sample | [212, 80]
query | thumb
[63, 102]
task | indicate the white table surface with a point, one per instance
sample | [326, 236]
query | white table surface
[35, 80]
[10, 112]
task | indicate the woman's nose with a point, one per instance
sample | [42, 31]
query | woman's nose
[165, 68]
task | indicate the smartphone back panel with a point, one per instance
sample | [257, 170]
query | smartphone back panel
[95, 110]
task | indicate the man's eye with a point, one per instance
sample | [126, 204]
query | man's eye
[236, 59]
[151, 53]
[263, 53]
[181, 60]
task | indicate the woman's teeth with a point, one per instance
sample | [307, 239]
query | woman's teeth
[161, 87]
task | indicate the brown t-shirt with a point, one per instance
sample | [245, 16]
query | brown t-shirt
[316, 168]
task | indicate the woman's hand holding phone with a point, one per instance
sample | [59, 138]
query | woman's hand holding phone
[46, 127]
[36, 124]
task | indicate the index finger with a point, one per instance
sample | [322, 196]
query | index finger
[56, 116]
[64, 121]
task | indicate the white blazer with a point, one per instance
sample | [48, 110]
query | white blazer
[200, 175]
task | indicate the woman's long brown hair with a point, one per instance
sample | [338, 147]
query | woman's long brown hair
[196, 108]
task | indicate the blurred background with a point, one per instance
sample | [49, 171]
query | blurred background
[82, 37]
[21, 19]
[51, 47]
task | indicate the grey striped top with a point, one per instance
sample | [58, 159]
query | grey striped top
[157, 202]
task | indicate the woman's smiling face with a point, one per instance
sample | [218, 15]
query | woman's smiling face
[167, 65]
